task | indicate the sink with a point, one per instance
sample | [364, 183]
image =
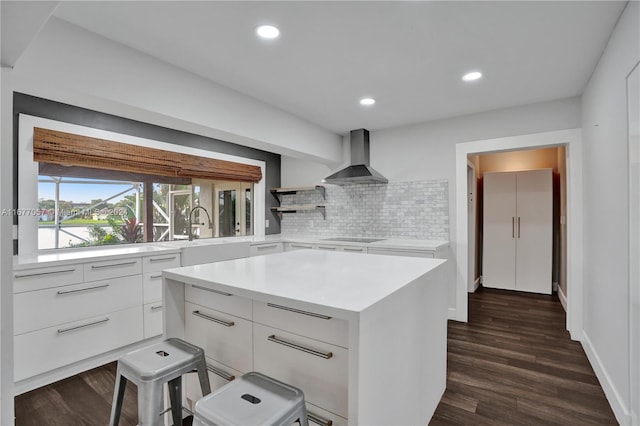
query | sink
[200, 251]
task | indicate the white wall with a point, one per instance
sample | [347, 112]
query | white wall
[427, 151]
[68, 64]
[606, 230]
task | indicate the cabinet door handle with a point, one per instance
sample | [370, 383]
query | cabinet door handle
[518, 227]
[211, 290]
[113, 265]
[216, 320]
[263, 247]
[161, 259]
[353, 249]
[62, 292]
[37, 274]
[274, 339]
[513, 227]
[226, 376]
[154, 308]
[298, 311]
[66, 330]
[154, 277]
[326, 248]
[312, 417]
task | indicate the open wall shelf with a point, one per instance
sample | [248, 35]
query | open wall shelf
[294, 208]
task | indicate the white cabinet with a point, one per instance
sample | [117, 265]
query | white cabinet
[518, 230]
[68, 317]
[297, 246]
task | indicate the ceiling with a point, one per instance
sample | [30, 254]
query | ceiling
[409, 56]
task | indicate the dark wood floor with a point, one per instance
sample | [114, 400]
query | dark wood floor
[512, 364]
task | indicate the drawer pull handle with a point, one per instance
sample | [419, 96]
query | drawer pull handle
[66, 330]
[318, 419]
[154, 308]
[226, 376]
[359, 250]
[37, 274]
[161, 259]
[263, 247]
[298, 311]
[325, 355]
[326, 248]
[62, 292]
[299, 246]
[216, 320]
[154, 277]
[113, 265]
[212, 290]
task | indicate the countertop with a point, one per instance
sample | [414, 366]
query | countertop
[68, 256]
[347, 282]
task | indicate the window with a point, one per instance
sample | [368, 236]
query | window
[82, 212]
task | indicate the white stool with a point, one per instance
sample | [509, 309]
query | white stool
[252, 400]
[149, 368]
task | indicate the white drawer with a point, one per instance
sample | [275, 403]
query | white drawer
[219, 375]
[318, 416]
[50, 348]
[261, 249]
[399, 252]
[152, 318]
[319, 369]
[303, 322]
[104, 270]
[297, 246]
[53, 276]
[353, 249]
[327, 247]
[223, 337]
[159, 262]
[219, 300]
[53, 306]
[152, 287]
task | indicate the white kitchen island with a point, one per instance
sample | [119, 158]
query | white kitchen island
[364, 336]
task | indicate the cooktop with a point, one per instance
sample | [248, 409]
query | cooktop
[354, 239]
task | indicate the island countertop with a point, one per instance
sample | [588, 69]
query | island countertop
[345, 282]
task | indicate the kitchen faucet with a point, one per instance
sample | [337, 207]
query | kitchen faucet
[190, 220]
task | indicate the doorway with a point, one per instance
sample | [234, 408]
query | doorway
[233, 209]
[571, 139]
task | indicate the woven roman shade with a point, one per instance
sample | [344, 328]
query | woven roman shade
[51, 146]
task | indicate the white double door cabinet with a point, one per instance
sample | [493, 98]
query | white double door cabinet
[518, 230]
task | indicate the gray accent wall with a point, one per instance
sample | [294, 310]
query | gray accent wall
[416, 209]
[39, 107]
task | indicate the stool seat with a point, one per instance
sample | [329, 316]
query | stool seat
[252, 400]
[150, 368]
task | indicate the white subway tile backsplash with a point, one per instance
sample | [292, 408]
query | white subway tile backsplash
[418, 209]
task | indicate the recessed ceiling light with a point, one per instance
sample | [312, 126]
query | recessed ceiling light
[472, 76]
[367, 101]
[267, 31]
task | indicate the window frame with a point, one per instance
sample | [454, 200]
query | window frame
[28, 175]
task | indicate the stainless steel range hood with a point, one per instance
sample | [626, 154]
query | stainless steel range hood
[359, 171]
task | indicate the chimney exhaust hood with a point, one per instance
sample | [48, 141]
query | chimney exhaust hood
[359, 171]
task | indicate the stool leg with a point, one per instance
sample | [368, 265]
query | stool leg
[175, 396]
[118, 397]
[150, 404]
[203, 376]
[303, 419]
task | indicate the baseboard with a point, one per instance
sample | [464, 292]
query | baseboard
[476, 284]
[451, 314]
[555, 286]
[563, 298]
[617, 404]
